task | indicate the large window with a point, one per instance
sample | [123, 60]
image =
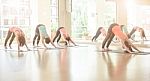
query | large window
[14, 13]
[54, 15]
[88, 15]
[138, 15]
[80, 17]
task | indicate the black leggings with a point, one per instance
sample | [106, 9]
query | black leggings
[96, 36]
[37, 35]
[10, 34]
[110, 35]
[132, 31]
[143, 33]
[38, 39]
[108, 39]
[57, 35]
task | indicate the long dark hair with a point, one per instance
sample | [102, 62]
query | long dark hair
[21, 40]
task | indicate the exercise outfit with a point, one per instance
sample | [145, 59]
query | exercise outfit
[13, 32]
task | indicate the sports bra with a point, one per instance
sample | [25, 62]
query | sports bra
[63, 32]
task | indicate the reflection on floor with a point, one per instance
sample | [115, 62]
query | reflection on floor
[81, 63]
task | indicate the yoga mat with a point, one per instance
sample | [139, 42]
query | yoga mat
[50, 48]
[122, 52]
[15, 50]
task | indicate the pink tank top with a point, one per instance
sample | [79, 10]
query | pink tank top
[63, 32]
[17, 31]
[118, 32]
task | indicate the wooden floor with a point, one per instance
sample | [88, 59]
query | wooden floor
[80, 63]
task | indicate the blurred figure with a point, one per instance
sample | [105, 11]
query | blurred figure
[61, 32]
[109, 36]
[139, 29]
[18, 33]
[99, 31]
[125, 42]
[41, 32]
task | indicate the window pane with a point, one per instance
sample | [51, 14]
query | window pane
[54, 15]
[14, 13]
[86, 18]
[138, 15]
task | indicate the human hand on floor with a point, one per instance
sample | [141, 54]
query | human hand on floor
[104, 50]
[140, 51]
[10, 47]
[29, 49]
[5, 47]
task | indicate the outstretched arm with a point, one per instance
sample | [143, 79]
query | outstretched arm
[134, 46]
[43, 42]
[72, 42]
[52, 43]
[124, 46]
[27, 47]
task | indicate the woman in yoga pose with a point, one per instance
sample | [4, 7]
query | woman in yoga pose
[109, 36]
[20, 37]
[61, 32]
[125, 42]
[41, 32]
[100, 30]
[139, 29]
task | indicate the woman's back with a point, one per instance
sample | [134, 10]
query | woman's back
[117, 31]
[43, 32]
[17, 31]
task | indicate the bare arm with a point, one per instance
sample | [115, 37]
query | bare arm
[123, 44]
[27, 47]
[43, 42]
[134, 46]
[52, 43]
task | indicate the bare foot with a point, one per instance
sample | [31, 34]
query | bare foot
[108, 49]
[104, 50]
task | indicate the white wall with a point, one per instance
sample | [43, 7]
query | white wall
[64, 15]
[121, 12]
[44, 13]
[143, 2]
